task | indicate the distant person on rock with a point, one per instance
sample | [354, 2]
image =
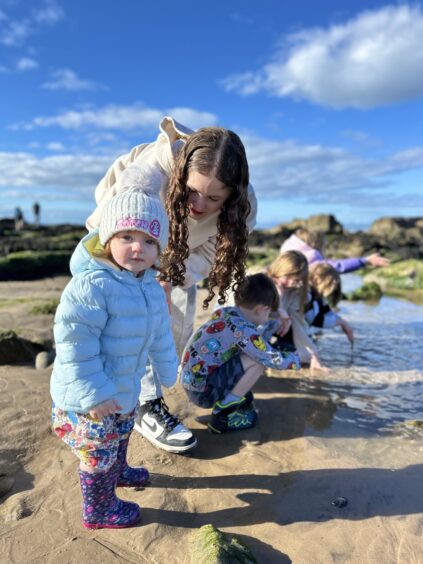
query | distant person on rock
[112, 319]
[19, 219]
[311, 244]
[36, 210]
[227, 355]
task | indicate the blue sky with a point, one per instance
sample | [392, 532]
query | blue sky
[327, 97]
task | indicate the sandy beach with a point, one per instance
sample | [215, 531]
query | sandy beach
[272, 486]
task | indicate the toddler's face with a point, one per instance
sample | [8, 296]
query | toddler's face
[134, 251]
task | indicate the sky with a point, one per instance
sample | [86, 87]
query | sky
[327, 97]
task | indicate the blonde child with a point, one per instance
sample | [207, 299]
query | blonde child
[227, 355]
[289, 272]
[111, 320]
[325, 291]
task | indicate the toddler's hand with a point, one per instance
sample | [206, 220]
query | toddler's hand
[108, 407]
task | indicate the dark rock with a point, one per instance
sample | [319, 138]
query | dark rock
[396, 238]
[15, 350]
[339, 502]
[371, 292]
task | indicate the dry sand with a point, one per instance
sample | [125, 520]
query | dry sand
[272, 486]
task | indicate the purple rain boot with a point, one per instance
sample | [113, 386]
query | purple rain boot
[101, 509]
[130, 477]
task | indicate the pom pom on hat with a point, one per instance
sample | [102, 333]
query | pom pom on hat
[146, 178]
[134, 210]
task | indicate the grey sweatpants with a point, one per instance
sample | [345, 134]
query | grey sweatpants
[183, 315]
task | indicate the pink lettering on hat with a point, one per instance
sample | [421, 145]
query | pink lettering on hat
[155, 228]
[133, 223]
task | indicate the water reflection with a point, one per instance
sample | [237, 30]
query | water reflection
[374, 390]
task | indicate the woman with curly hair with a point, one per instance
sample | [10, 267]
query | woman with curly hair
[203, 179]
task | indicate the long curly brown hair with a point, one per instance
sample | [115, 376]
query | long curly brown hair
[219, 153]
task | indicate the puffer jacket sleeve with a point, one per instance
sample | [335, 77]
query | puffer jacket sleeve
[162, 353]
[80, 319]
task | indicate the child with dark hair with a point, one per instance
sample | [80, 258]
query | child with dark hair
[226, 356]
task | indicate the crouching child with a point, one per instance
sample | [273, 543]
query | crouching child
[227, 355]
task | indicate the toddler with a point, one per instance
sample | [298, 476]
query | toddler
[111, 320]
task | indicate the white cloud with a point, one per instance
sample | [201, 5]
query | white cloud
[374, 59]
[50, 13]
[15, 33]
[314, 173]
[124, 118]
[26, 63]
[288, 171]
[71, 172]
[56, 146]
[67, 79]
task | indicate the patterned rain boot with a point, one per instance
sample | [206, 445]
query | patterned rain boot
[130, 477]
[101, 509]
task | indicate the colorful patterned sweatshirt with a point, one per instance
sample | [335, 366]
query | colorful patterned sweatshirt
[225, 335]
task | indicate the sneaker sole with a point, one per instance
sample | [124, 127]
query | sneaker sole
[162, 446]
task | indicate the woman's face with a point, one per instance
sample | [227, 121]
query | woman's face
[206, 194]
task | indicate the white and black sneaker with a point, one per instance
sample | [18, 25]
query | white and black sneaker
[163, 429]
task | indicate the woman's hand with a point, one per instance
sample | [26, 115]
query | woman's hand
[376, 260]
[167, 287]
[108, 407]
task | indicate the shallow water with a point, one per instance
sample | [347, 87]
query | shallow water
[375, 390]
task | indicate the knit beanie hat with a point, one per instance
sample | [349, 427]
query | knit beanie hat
[134, 210]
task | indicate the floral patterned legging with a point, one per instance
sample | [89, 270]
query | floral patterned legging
[94, 441]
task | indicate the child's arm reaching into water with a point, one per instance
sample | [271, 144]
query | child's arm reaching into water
[346, 328]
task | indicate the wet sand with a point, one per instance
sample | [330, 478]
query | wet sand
[272, 486]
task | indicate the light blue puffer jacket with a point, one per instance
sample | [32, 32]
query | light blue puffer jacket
[107, 326]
